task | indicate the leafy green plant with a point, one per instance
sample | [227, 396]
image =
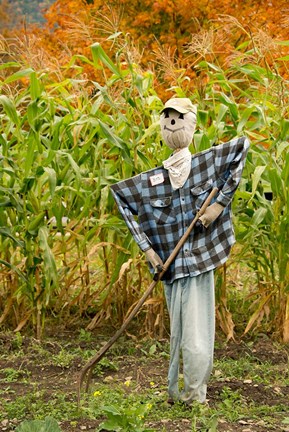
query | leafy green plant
[17, 341]
[38, 404]
[230, 399]
[204, 423]
[47, 425]
[126, 419]
[13, 375]
[108, 364]
[63, 359]
[85, 336]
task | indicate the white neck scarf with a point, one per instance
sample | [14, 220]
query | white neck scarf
[179, 167]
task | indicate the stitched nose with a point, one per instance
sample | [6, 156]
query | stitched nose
[173, 121]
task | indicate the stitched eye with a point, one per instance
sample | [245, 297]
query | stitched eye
[181, 116]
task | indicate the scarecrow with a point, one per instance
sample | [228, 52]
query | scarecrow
[158, 206]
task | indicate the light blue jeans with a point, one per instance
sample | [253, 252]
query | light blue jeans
[191, 305]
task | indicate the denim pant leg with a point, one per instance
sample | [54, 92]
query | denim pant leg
[173, 299]
[192, 313]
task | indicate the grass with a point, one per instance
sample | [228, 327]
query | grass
[248, 369]
[249, 387]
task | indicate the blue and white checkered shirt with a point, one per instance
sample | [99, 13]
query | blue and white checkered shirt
[158, 216]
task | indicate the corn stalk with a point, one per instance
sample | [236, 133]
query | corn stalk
[64, 247]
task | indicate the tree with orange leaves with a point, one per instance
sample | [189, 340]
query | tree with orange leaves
[172, 36]
[168, 22]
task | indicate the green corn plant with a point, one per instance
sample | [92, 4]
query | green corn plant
[251, 97]
[264, 235]
[61, 150]
[263, 223]
[64, 247]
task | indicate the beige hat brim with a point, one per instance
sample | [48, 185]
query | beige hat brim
[176, 108]
[181, 105]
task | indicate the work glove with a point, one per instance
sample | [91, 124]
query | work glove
[211, 213]
[155, 261]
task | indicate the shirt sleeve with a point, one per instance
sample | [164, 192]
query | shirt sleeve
[127, 194]
[229, 162]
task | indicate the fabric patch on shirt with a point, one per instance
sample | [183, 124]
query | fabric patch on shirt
[157, 179]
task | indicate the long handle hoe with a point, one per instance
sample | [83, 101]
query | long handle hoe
[88, 368]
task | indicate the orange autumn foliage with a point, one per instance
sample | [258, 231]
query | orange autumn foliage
[171, 35]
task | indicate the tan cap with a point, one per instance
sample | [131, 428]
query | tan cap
[182, 105]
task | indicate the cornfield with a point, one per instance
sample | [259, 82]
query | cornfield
[65, 251]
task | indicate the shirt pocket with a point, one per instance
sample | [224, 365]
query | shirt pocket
[200, 193]
[163, 210]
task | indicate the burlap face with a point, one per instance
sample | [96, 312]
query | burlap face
[177, 129]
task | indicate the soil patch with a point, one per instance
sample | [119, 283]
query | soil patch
[35, 369]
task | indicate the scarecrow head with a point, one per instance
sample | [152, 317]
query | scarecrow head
[178, 122]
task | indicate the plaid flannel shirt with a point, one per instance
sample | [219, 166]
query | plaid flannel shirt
[158, 216]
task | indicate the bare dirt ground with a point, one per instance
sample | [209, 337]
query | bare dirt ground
[34, 358]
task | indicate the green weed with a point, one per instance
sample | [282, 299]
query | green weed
[14, 375]
[248, 368]
[38, 404]
[17, 341]
[47, 425]
[85, 335]
[126, 419]
[63, 359]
